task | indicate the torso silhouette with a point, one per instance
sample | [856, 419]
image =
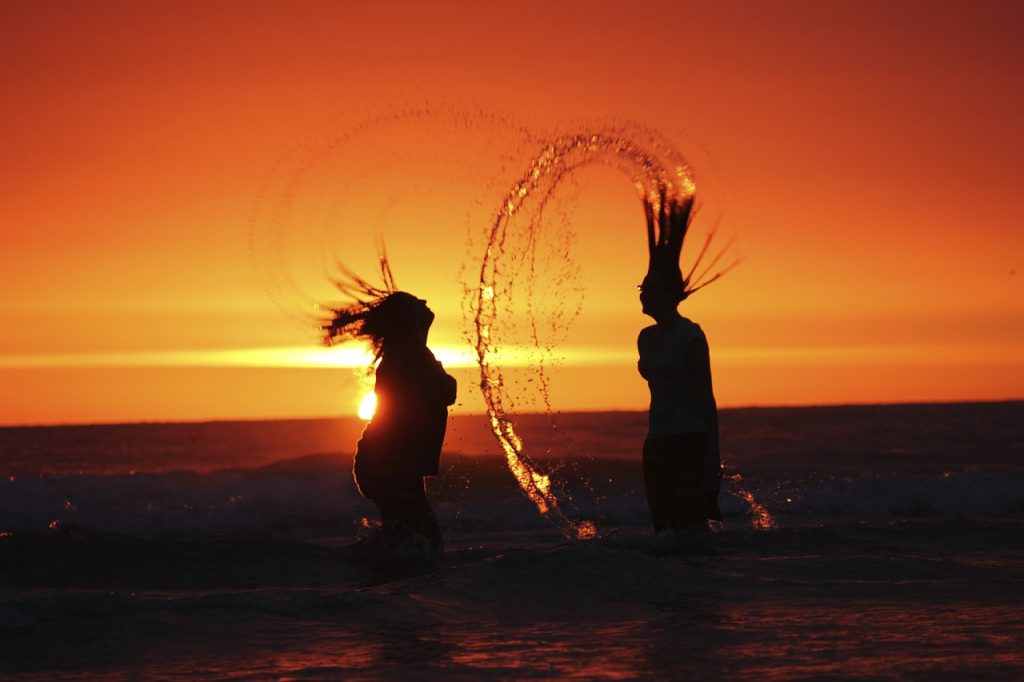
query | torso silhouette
[678, 391]
[404, 438]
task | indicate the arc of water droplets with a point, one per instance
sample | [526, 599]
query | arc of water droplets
[761, 518]
[658, 173]
[652, 176]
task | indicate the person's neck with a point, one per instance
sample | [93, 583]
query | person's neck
[667, 319]
[403, 343]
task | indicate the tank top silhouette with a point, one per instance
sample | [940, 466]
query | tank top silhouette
[408, 427]
[676, 394]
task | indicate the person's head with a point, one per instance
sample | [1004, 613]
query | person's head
[399, 316]
[660, 294]
[668, 220]
[378, 315]
[396, 317]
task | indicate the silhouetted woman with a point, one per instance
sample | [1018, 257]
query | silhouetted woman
[681, 463]
[402, 443]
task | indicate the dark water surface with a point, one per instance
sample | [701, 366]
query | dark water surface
[220, 550]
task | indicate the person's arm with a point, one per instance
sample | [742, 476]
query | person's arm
[641, 347]
[700, 362]
[434, 382]
[448, 385]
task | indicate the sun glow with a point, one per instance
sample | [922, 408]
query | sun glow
[368, 406]
[358, 356]
[353, 355]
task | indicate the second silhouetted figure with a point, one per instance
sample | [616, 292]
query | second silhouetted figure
[402, 442]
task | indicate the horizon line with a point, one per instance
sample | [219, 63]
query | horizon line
[483, 415]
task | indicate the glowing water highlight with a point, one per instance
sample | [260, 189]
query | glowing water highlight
[658, 173]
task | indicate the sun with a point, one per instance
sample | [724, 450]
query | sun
[368, 406]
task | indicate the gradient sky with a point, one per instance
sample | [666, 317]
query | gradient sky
[868, 157]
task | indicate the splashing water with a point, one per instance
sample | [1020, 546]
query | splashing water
[658, 173]
[653, 172]
[397, 174]
[761, 518]
[390, 173]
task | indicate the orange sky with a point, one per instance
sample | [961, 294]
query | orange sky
[865, 154]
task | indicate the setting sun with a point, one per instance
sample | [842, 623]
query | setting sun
[367, 406]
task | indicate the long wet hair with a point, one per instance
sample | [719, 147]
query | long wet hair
[668, 221]
[373, 313]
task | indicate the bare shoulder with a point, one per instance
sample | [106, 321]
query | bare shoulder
[690, 326]
[698, 346]
[645, 335]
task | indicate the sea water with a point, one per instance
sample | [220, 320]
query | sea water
[173, 551]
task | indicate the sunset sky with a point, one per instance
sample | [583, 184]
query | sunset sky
[866, 156]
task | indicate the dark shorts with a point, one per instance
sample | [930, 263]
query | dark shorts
[401, 500]
[680, 491]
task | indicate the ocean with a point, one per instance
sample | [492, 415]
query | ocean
[859, 542]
